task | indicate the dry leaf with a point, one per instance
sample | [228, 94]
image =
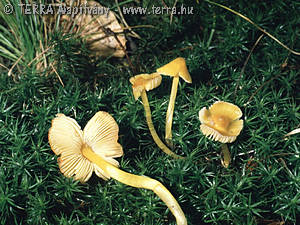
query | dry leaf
[102, 32]
[296, 131]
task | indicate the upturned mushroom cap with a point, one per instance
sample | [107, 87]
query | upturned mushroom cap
[144, 82]
[221, 121]
[177, 67]
[67, 140]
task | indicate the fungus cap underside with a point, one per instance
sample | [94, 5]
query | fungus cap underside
[67, 140]
[144, 82]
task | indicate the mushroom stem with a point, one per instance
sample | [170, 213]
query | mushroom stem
[155, 136]
[138, 182]
[170, 111]
[226, 155]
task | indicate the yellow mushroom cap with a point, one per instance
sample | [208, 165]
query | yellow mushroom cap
[67, 140]
[144, 82]
[177, 67]
[221, 121]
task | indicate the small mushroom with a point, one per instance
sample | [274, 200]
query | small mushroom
[176, 68]
[221, 122]
[94, 149]
[140, 84]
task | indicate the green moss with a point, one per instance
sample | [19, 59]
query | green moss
[262, 183]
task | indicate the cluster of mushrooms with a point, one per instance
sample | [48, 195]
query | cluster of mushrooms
[94, 148]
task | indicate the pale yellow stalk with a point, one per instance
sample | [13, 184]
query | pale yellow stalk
[170, 111]
[226, 155]
[138, 182]
[155, 136]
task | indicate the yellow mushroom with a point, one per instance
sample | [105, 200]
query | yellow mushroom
[176, 68]
[221, 122]
[94, 149]
[140, 84]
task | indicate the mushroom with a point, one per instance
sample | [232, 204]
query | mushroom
[176, 68]
[94, 149]
[221, 122]
[140, 84]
